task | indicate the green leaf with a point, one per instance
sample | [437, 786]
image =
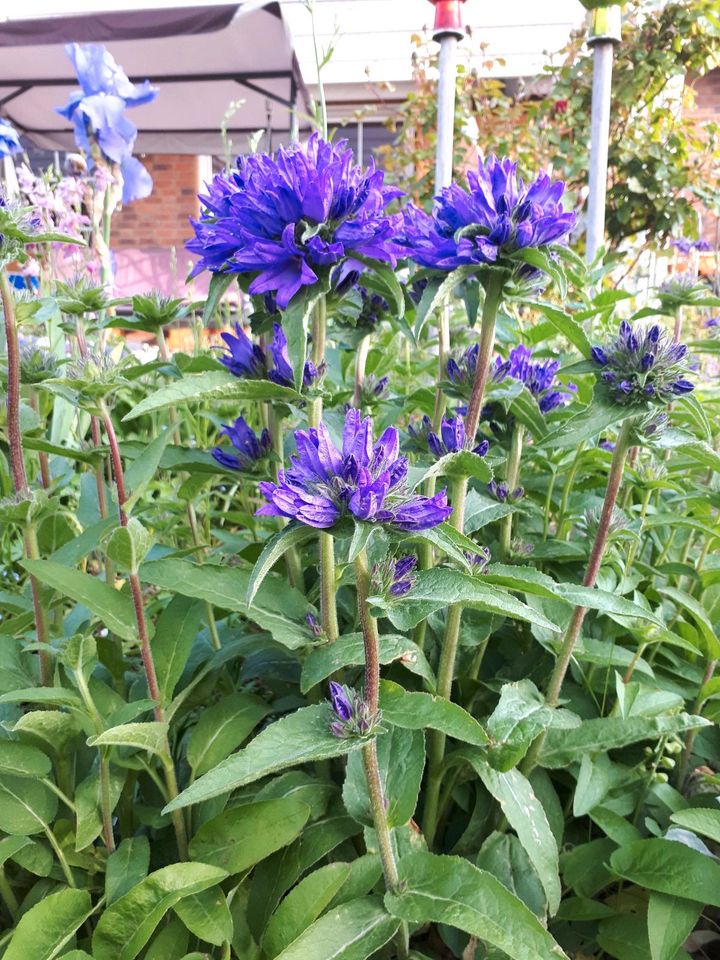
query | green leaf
[296, 323]
[277, 608]
[26, 806]
[175, 631]
[388, 281]
[590, 422]
[274, 876]
[128, 546]
[150, 736]
[290, 536]
[352, 931]
[699, 615]
[349, 651]
[52, 696]
[298, 738]
[171, 939]
[416, 711]
[87, 805]
[9, 846]
[211, 385]
[526, 816]
[139, 474]
[206, 914]
[242, 836]
[111, 607]
[219, 282]
[127, 924]
[462, 463]
[451, 890]
[401, 761]
[563, 746]
[504, 857]
[670, 920]
[44, 930]
[566, 325]
[701, 820]
[223, 727]
[668, 866]
[126, 867]
[302, 906]
[436, 292]
[23, 760]
[438, 588]
[520, 715]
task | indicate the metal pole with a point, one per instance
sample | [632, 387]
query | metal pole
[604, 34]
[447, 31]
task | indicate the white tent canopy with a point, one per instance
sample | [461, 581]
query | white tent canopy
[203, 58]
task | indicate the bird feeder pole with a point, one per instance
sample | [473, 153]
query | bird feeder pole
[604, 33]
[447, 30]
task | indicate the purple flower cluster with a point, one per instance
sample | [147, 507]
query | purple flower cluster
[685, 245]
[394, 577]
[98, 113]
[461, 369]
[480, 560]
[496, 216]
[452, 439]
[352, 716]
[290, 218]
[712, 323]
[9, 141]
[249, 448]
[366, 480]
[643, 364]
[246, 359]
[501, 492]
[540, 377]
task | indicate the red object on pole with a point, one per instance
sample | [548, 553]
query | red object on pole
[448, 19]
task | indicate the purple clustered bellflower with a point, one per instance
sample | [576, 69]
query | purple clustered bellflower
[539, 376]
[365, 480]
[492, 219]
[643, 364]
[452, 439]
[352, 715]
[394, 577]
[247, 359]
[248, 448]
[291, 218]
[97, 112]
[685, 245]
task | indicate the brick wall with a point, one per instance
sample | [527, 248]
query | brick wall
[707, 107]
[161, 220]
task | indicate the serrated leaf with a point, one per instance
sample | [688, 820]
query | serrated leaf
[417, 711]
[211, 385]
[44, 930]
[242, 836]
[126, 925]
[298, 738]
[128, 546]
[111, 607]
[150, 736]
[290, 536]
[451, 890]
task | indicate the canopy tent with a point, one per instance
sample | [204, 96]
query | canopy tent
[203, 58]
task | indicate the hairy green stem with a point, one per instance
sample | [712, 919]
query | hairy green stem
[562, 663]
[145, 649]
[567, 487]
[371, 694]
[209, 612]
[17, 467]
[319, 341]
[446, 672]
[493, 295]
[512, 476]
[328, 604]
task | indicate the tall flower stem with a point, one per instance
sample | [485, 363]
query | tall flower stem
[511, 478]
[371, 693]
[328, 605]
[360, 363]
[17, 466]
[622, 447]
[448, 654]
[446, 672]
[143, 636]
[493, 295]
[319, 341]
